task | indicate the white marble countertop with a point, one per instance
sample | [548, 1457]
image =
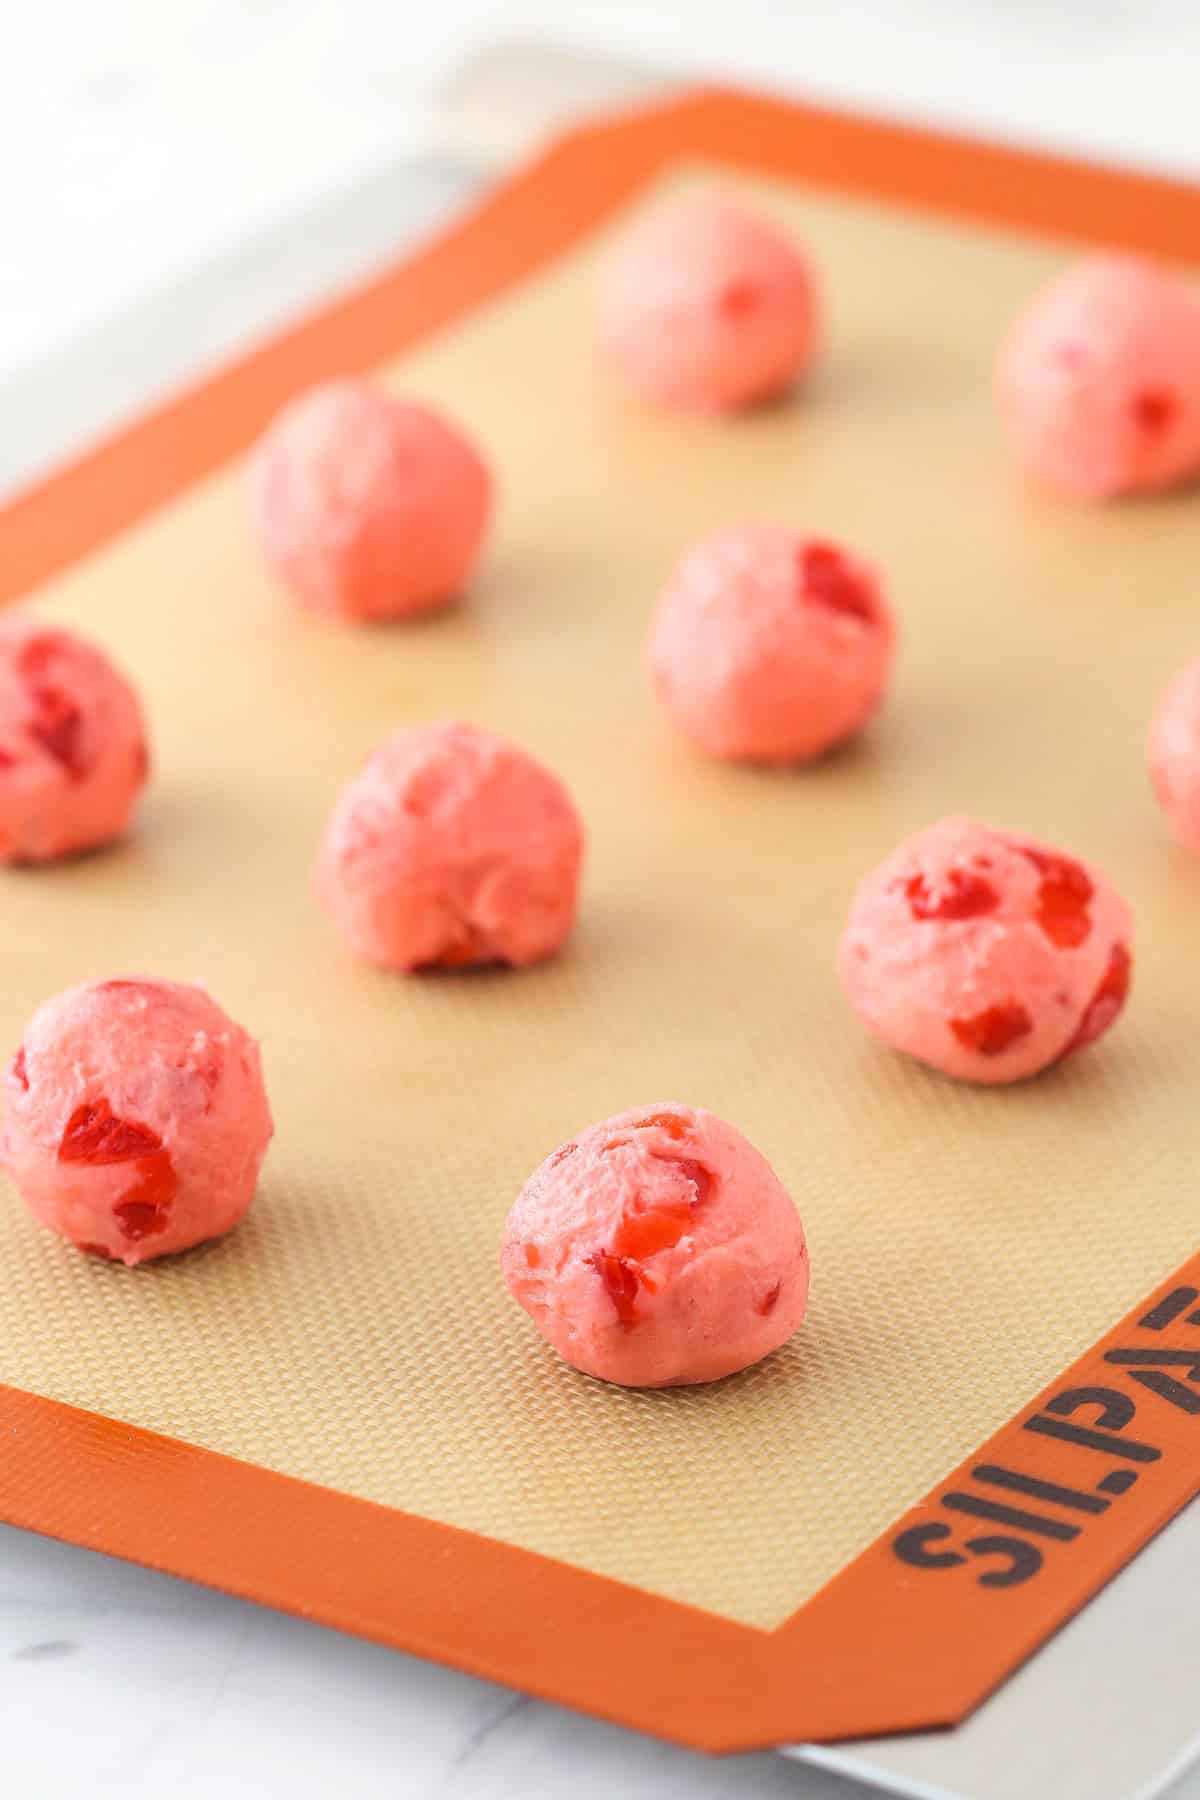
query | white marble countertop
[158, 158]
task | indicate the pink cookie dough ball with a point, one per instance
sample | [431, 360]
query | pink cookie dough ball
[1098, 381]
[368, 507]
[985, 954]
[452, 847]
[1173, 754]
[135, 1118]
[73, 756]
[770, 646]
[658, 1249]
[706, 308]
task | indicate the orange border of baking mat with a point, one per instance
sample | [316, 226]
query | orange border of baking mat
[918, 1629]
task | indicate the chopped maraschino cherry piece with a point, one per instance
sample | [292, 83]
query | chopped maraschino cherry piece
[1154, 409]
[827, 579]
[57, 723]
[95, 1134]
[961, 895]
[620, 1278]
[770, 1300]
[1063, 898]
[671, 1123]
[1106, 1002]
[994, 1030]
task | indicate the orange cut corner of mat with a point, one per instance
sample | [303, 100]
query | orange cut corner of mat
[917, 1630]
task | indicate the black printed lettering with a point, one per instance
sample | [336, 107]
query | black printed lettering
[1037, 1489]
[1146, 1366]
[1024, 1560]
[1036, 1523]
[1031, 1510]
[912, 1547]
[1169, 1309]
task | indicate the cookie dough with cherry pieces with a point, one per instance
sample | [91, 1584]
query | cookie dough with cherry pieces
[368, 506]
[452, 847]
[706, 308]
[658, 1249]
[985, 954]
[1098, 381]
[73, 756]
[1173, 754]
[135, 1118]
[770, 646]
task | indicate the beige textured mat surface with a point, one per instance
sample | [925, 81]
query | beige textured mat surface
[965, 1244]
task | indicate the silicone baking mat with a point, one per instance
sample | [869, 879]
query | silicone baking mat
[967, 1245]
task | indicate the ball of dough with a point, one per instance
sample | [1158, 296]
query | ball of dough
[658, 1249]
[1098, 381]
[1173, 754]
[770, 646]
[452, 847]
[73, 756]
[985, 954]
[706, 308]
[369, 507]
[135, 1118]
